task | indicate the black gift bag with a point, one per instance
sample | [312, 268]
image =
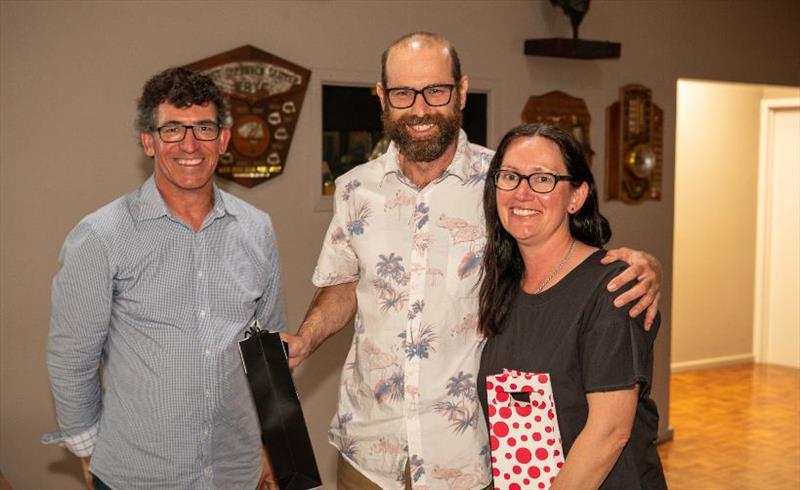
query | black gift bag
[283, 428]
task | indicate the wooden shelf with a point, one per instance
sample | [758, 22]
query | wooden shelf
[573, 48]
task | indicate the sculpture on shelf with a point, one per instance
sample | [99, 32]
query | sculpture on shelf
[575, 10]
[573, 47]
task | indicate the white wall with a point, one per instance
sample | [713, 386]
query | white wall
[71, 71]
[716, 202]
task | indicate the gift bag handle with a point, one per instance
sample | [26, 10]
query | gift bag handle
[254, 328]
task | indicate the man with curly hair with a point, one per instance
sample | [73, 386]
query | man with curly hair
[155, 290]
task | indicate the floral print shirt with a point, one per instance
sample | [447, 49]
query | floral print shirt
[408, 389]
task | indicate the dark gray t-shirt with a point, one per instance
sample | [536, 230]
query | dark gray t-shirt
[574, 332]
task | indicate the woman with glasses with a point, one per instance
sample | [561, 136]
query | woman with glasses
[544, 308]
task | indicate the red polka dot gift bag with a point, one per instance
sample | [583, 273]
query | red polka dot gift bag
[523, 430]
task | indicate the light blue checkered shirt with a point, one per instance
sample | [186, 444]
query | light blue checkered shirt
[164, 307]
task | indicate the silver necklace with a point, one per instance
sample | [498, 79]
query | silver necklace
[557, 269]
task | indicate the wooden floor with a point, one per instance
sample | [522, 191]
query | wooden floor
[4, 485]
[735, 428]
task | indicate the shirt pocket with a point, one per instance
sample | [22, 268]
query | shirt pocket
[464, 261]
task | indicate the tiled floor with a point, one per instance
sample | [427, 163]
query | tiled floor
[735, 428]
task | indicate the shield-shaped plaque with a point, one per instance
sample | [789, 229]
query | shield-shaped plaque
[265, 94]
[564, 111]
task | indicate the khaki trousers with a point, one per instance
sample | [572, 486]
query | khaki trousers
[349, 478]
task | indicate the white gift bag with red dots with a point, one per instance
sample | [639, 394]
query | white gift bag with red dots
[524, 435]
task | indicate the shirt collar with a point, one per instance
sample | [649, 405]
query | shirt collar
[459, 167]
[150, 205]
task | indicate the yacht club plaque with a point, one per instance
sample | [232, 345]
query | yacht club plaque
[265, 94]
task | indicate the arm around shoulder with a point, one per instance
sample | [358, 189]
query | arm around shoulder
[646, 270]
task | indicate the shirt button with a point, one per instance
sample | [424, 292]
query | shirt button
[208, 393]
[207, 471]
[205, 433]
[207, 351]
[200, 274]
[202, 313]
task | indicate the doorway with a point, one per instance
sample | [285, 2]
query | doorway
[777, 298]
[716, 221]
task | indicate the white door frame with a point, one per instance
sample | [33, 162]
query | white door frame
[763, 220]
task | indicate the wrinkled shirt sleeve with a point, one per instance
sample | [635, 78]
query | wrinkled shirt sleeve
[271, 309]
[81, 445]
[338, 262]
[79, 322]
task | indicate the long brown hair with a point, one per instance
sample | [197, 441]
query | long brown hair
[502, 262]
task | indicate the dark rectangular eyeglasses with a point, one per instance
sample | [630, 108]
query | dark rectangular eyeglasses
[174, 133]
[540, 182]
[434, 95]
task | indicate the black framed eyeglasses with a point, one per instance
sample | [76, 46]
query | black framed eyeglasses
[540, 182]
[434, 95]
[174, 133]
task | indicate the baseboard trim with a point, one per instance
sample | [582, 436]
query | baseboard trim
[712, 362]
[666, 436]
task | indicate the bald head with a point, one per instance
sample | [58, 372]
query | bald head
[422, 40]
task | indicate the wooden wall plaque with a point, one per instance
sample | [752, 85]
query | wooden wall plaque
[265, 94]
[563, 111]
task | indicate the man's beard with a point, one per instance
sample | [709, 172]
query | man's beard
[428, 149]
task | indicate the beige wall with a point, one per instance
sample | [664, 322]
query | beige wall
[71, 72]
[716, 203]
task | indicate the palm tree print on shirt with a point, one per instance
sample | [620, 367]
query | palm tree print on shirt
[422, 345]
[391, 382]
[357, 218]
[415, 464]
[416, 308]
[349, 188]
[390, 266]
[349, 447]
[390, 389]
[461, 409]
[391, 283]
[420, 216]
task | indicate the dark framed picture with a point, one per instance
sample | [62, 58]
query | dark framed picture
[352, 131]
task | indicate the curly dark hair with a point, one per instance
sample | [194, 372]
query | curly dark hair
[182, 88]
[502, 265]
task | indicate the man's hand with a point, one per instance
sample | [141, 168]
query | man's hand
[87, 476]
[299, 348]
[331, 310]
[267, 481]
[647, 270]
